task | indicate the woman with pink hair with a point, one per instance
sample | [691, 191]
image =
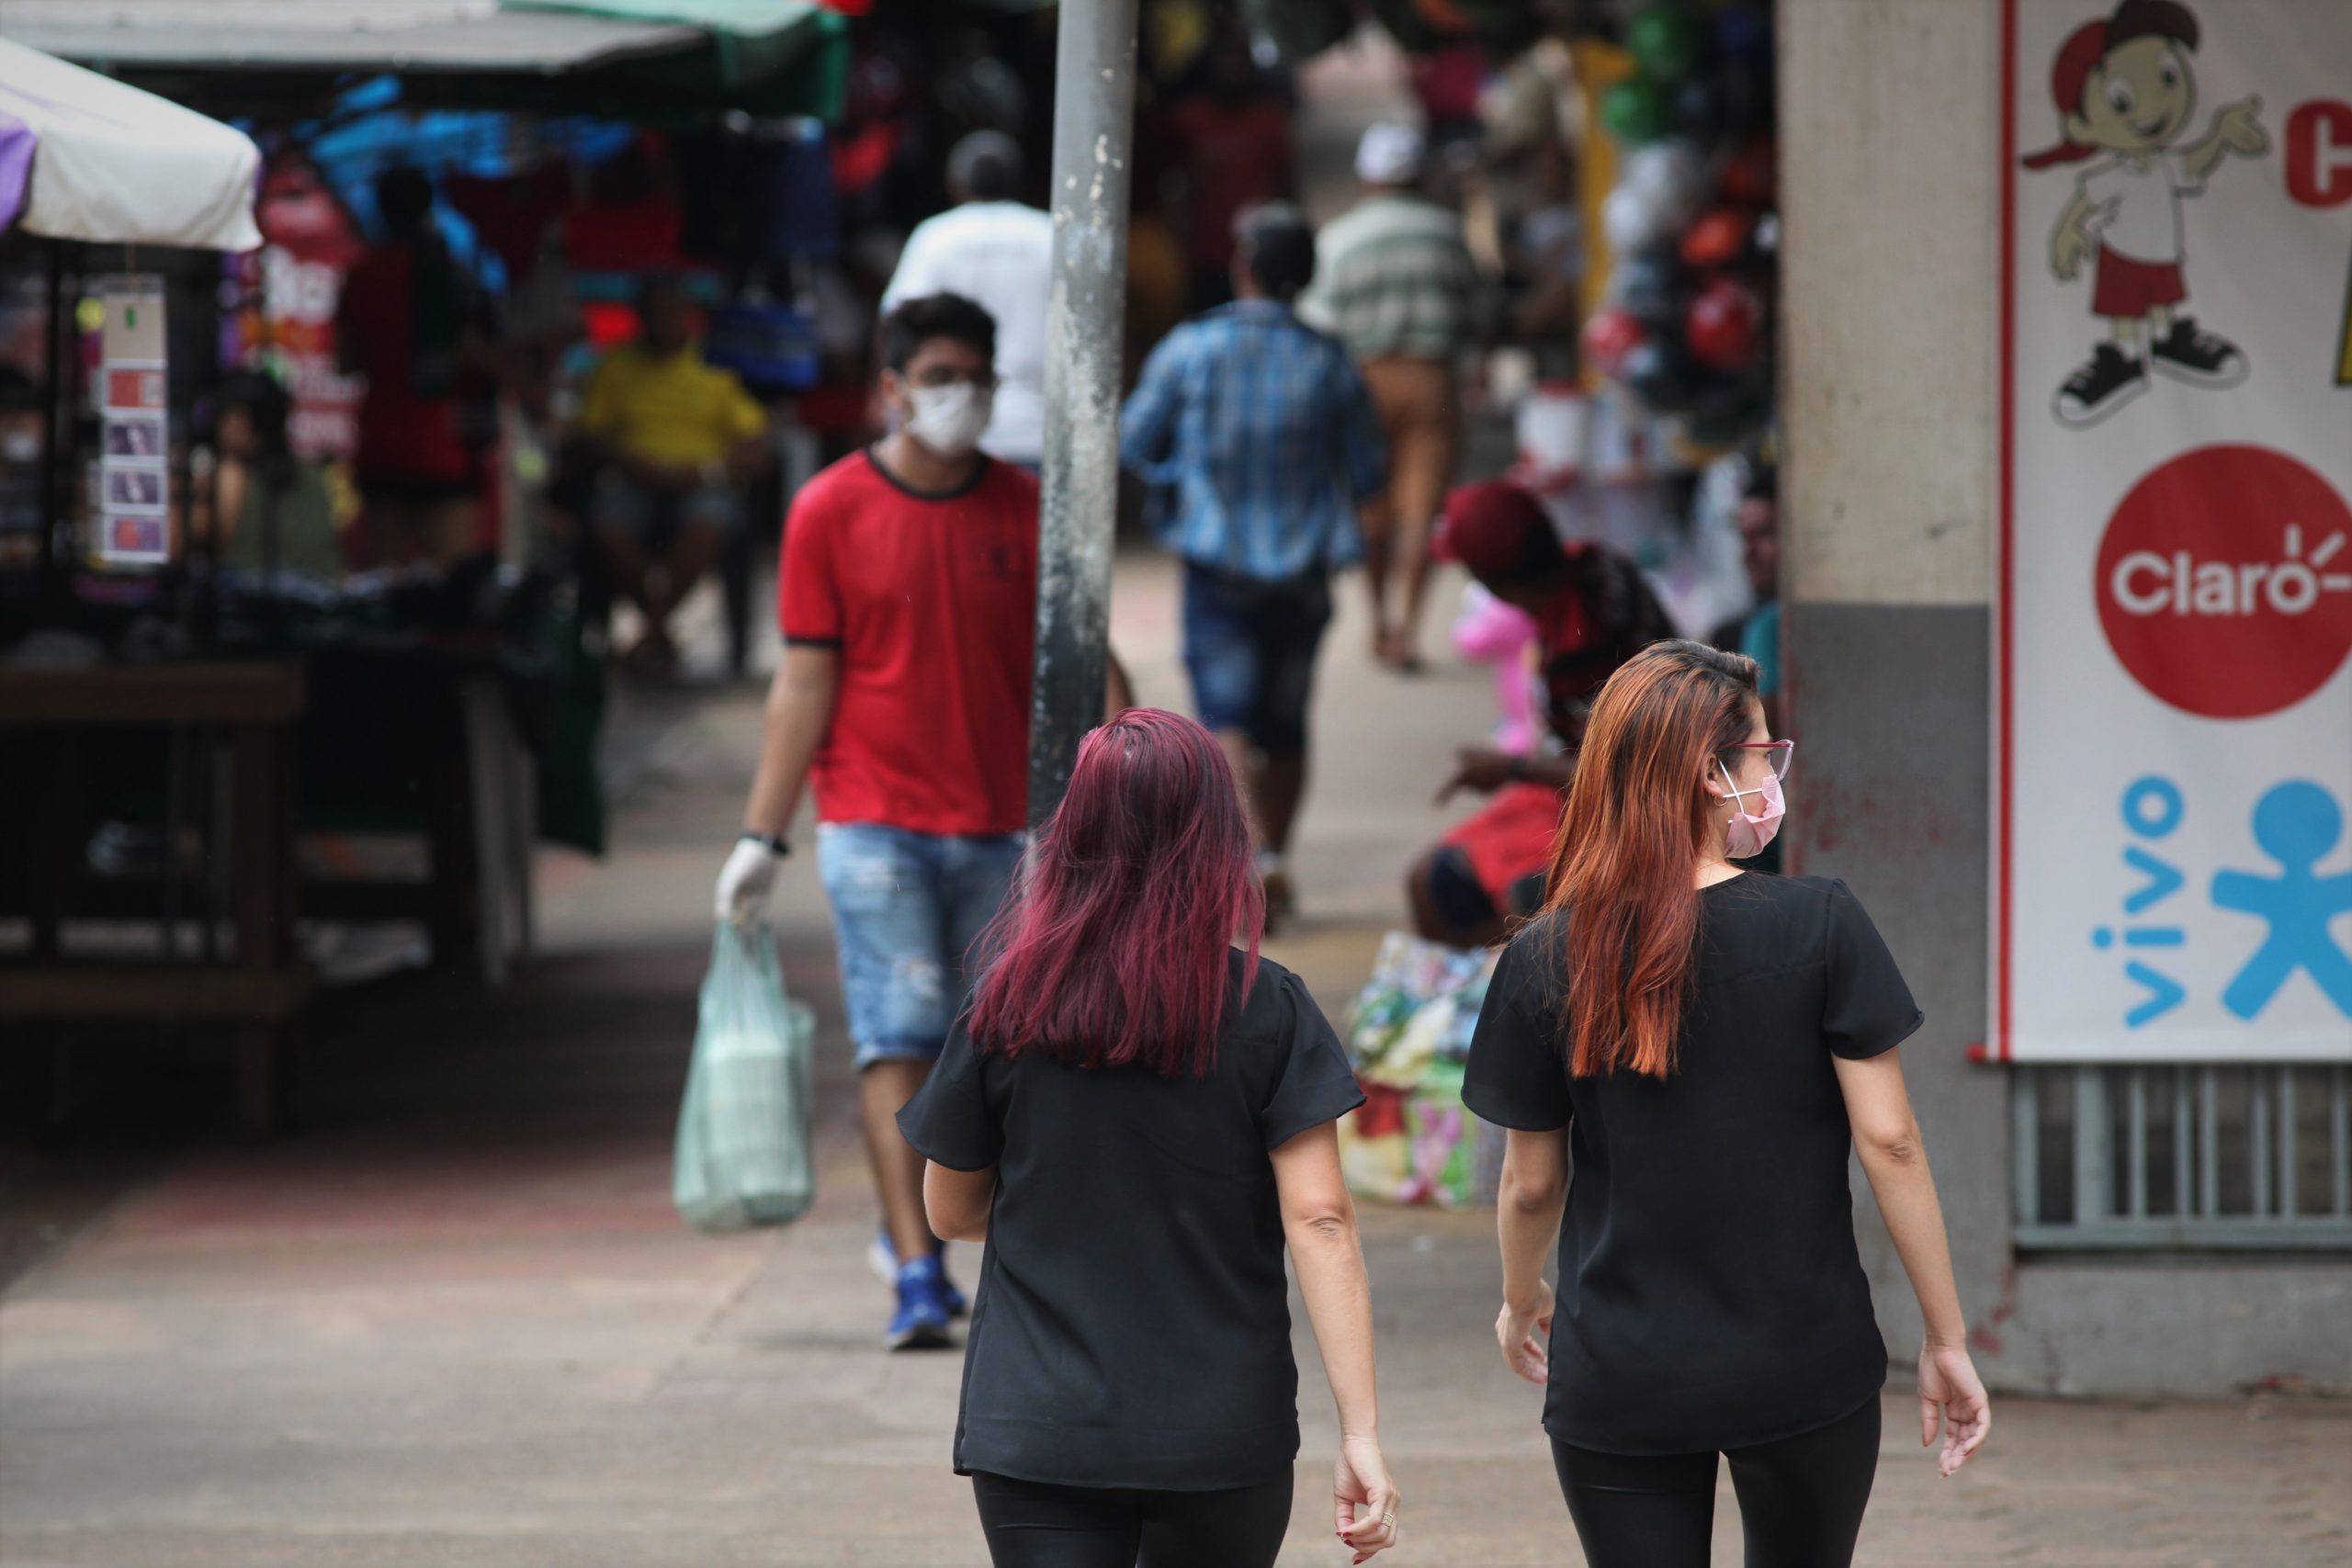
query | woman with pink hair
[1138, 1113]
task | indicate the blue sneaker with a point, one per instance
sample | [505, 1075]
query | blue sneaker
[882, 1256]
[920, 1322]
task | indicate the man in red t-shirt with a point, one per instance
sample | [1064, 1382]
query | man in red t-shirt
[908, 599]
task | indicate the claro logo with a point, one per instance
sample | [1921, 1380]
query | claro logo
[2224, 582]
[2146, 583]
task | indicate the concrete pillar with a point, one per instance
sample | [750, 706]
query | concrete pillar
[1888, 157]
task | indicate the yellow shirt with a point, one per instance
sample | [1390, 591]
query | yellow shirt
[669, 409]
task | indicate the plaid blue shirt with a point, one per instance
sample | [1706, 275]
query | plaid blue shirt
[1262, 437]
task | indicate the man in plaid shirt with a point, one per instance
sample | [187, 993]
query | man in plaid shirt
[1261, 438]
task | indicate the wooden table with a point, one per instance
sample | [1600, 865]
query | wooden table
[263, 985]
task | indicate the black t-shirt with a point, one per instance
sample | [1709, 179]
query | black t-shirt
[1711, 1296]
[1132, 1326]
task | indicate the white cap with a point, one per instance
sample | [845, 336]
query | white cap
[1390, 154]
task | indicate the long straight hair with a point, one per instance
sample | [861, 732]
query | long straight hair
[1637, 814]
[1115, 946]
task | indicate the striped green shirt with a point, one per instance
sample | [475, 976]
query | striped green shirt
[1392, 277]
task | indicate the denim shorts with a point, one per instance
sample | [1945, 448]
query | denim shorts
[1250, 645]
[907, 909]
[655, 516]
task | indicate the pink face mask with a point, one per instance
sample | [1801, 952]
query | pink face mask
[1746, 833]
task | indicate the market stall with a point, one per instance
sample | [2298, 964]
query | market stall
[84, 158]
[193, 724]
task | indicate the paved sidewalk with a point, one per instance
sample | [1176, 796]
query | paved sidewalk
[454, 1323]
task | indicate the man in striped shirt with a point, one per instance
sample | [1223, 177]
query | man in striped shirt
[1396, 284]
[1260, 439]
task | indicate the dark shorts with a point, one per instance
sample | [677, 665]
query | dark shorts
[396, 490]
[1250, 645]
[655, 516]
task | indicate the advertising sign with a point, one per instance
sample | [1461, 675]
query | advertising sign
[2173, 851]
[308, 244]
[133, 502]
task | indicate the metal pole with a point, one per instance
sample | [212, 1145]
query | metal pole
[55, 480]
[1094, 95]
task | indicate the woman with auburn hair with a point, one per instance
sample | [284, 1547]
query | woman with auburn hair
[1137, 1115]
[1707, 1043]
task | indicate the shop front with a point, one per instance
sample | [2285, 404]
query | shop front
[2070, 449]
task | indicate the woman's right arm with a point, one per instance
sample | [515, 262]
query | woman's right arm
[1886, 1136]
[1319, 1223]
[1527, 1216]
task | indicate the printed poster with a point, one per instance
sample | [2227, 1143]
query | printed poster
[2173, 611]
[134, 501]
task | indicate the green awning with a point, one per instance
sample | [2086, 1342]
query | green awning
[755, 37]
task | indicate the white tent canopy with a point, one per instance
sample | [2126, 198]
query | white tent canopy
[85, 157]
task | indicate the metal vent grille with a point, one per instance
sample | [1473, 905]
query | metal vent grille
[2189, 1158]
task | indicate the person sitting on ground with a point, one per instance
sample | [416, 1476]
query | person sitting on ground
[997, 250]
[1592, 611]
[265, 510]
[676, 438]
[1261, 436]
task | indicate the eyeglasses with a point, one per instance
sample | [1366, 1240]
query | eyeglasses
[941, 376]
[1780, 754]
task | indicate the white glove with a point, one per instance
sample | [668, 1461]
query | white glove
[747, 880]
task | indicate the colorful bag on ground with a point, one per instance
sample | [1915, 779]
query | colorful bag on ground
[1412, 1141]
[743, 1157]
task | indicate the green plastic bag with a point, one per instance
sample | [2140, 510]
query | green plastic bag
[743, 1157]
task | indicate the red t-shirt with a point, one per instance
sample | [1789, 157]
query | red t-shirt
[403, 434]
[932, 602]
[1239, 155]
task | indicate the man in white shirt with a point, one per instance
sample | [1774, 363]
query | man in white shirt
[998, 252]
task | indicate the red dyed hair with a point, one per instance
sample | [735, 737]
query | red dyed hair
[1637, 815]
[1115, 946]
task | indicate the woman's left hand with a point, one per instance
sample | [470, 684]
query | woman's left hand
[1523, 1335]
[1362, 1482]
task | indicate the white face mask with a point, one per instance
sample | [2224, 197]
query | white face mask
[20, 446]
[949, 419]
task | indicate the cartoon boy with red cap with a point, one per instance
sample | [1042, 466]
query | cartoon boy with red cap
[2124, 91]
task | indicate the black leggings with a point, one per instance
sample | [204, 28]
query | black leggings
[1032, 1525]
[1801, 1499]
